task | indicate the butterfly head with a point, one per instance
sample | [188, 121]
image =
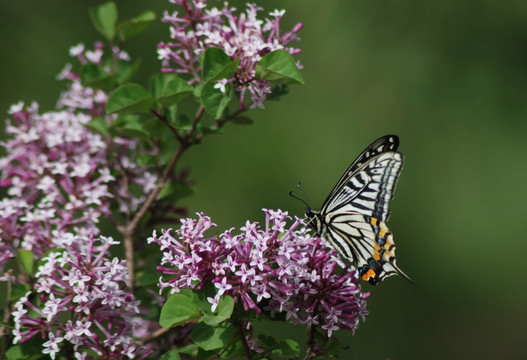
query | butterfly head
[314, 221]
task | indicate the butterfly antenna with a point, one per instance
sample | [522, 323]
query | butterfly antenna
[296, 197]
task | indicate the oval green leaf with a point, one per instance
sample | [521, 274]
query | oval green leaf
[175, 91]
[217, 65]
[26, 259]
[279, 67]
[177, 310]
[131, 126]
[98, 125]
[127, 70]
[287, 349]
[95, 76]
[129, 98]
[211, 338]
[18, 290]
[129, 29]
[175, 190]
[170, 355]
[104, 18]
[214, 101]
[222, 313]
[158, 83]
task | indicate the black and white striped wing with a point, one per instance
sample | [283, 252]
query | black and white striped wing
[379, 146]
[366, 241]
[353, 216]
[368, 189]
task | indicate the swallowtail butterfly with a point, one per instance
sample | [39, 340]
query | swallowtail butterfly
[354, 214]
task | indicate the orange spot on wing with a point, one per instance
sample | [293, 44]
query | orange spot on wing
[369, 274]
[376, 256]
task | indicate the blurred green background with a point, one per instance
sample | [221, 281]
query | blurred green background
[448, 77]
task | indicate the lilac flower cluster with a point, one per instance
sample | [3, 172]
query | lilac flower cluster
[296, 272]
[55, 177]
[59, 175]
[80, 299]
[241, 36]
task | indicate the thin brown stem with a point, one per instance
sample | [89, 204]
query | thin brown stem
[172, 129]
[310, 352]
[129, 229]
[223, 121]
[243, 339]
[190, 133]
[155, 335]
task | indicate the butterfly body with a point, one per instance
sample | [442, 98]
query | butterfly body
[353, 217]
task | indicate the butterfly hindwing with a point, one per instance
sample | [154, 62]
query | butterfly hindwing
[366, 241]
[353, 216]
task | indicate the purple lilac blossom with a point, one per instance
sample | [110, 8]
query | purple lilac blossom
[298, 273]
[56, 179]
[80, 298]
[59, 175]
[241, 36]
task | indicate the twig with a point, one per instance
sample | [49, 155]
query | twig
[129, 230]
[155, 335]
[244, 340]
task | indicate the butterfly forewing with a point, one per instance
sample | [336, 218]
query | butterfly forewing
[369, 188]
[353, 216]
[383, 144]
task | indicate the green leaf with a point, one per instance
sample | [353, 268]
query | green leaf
[98, 125]
[181, 122]
[242, 120]
[206, 355]
[26, 259]
[130, 125]
[167, 149]
[175, 91]
[127, 70]
[172, 115]
[211, 338]
[177, 310]
[18, 290]
[95, 76]
[197, 91]
[235, 351]
[129, 98]
[175, 190]
[277, 92]
[279, 67]
[23, 352]
[130, 28]
[171, 355]
[157, 129]
[287, 349]
[211, 130]
[159, 82]
[104, 18]
[214, 101]
[190, 349]
[222, 313]
[148, 279]
[200, 297]
[267, 342]
[217, 65]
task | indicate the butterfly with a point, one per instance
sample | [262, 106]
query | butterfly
[353, 217]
